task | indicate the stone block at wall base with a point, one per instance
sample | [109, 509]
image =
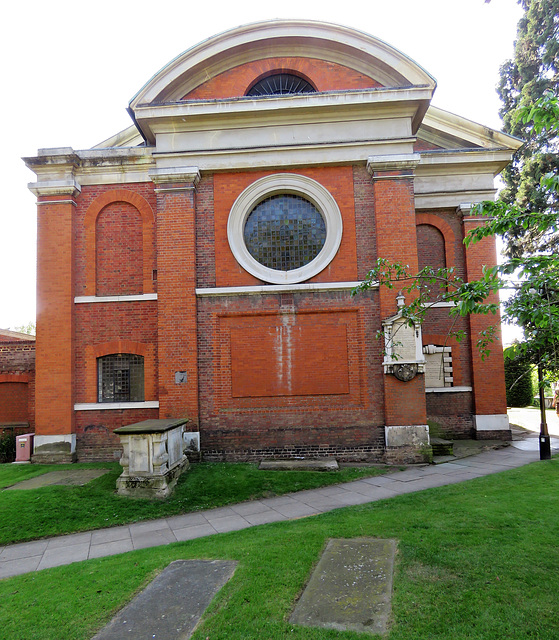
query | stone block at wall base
[54, 449]
[54, 458]
[408, 455]
[151, 487]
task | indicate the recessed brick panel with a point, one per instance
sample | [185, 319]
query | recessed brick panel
[119, 256]
[289, 355]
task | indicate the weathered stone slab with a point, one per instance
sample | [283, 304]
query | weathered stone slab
[351, 587]
[170, 607]
[320, 464]
[73, 477]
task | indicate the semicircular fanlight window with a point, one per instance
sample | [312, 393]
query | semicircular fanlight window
[280, 84]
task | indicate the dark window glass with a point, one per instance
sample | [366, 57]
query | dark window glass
[284, 232]
[280, 84]
[120, 378]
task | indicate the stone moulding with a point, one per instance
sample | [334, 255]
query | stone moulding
[153, 458]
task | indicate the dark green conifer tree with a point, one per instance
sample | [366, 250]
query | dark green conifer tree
[532, 72]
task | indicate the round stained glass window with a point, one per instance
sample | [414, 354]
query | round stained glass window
[284, 232]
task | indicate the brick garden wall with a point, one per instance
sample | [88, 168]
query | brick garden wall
[17, 382]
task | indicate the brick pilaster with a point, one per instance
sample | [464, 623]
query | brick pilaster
[54, 426]
[488, 376]
[176, 275]
[394, 204]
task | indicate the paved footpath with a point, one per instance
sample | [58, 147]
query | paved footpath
[53, 552]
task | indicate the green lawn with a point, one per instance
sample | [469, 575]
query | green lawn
[51, 511]
[477, 560]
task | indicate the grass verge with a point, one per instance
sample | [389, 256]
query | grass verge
[57, 510]
[477, 560]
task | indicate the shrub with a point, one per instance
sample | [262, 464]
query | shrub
[7, 447]
[518, 381]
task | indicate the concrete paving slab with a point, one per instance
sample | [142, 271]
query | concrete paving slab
[335, 490]
[321, 503]
[110, 548]
[196, 531]
[296, 510]
[114, 534]
[24, 550]
[265, 517]
[533, 444]
[351, 587]
[64, 555]
[381, 481]
[73, 477]
[249, 508]
[187, 520]
[171, 606]
[352, 498]
[69, 541]
[229, 523]
[219, 513]
[147, 539]
[150, 525]
[280, 501]
[17, 567]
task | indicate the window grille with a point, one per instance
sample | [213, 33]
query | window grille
[280, 84]
[120, 378]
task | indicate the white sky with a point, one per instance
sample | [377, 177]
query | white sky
[70, 69]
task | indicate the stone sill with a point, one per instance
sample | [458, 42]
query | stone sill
[134, 298]
[104, 406]
[447, 389]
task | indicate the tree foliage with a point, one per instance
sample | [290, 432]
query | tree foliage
[532, 277]
[518, 382]
[532, 74]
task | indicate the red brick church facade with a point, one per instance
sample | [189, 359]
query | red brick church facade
[154, 302]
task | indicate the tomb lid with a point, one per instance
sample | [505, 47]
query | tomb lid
[152, 426]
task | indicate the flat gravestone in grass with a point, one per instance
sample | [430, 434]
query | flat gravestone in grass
[350, 588]
[72, 477]
[170, 607]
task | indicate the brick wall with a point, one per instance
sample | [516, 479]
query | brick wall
[452, 413]
[290, 375]
[325, 76]
[228, 186]
[95, 439]
[17, 381]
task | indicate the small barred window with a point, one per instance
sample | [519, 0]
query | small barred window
[120, 378]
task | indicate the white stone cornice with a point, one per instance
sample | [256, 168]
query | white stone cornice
[401, 162]
[187, 177]
[69, 187]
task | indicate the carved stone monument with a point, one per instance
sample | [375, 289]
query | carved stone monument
[153, 457]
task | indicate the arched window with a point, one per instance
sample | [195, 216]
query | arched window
[120, 378]
[280, 84]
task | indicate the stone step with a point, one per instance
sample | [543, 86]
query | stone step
[442, 447]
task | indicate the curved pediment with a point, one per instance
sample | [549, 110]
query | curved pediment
[280, 39]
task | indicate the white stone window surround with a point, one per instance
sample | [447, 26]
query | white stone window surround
[276, 184]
